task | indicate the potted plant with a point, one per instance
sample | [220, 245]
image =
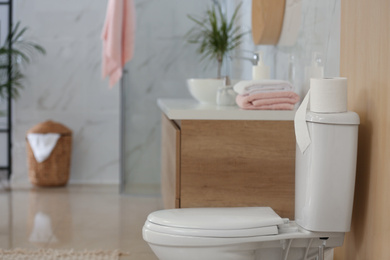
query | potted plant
[216, 36]
[13, 54]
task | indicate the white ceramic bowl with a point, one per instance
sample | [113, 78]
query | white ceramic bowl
[204, 90]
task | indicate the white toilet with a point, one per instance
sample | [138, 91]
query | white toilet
[324, 189]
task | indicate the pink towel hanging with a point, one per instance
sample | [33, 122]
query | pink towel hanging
[118, 38]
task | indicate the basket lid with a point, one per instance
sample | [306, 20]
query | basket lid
[49, 127]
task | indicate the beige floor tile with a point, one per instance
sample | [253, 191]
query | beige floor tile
[140, 256]
[76, 217]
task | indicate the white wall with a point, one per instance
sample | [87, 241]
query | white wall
[66, 86]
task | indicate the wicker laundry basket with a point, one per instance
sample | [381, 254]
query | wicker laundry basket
[54, 171]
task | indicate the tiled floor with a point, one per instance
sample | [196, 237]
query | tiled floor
[78, 217]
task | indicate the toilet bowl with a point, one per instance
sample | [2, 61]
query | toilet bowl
[232, 233]
[324, 188]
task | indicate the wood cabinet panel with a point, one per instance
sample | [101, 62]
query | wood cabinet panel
[238, 163]
[170, 163]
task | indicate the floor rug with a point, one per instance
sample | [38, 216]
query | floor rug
[52, 254]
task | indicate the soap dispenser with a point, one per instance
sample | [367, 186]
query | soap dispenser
[260, 71]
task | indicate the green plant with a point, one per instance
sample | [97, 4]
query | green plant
[11, 60]
[215, 35]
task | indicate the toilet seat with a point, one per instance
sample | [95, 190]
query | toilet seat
[215, 222]
[262, 231]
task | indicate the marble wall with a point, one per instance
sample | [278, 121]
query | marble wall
[163, 61]
[66, 86]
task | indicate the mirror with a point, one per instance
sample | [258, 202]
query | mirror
[276, 22]
[267, 21]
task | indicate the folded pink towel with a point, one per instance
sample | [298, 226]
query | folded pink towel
[118, 38]
[284, 100]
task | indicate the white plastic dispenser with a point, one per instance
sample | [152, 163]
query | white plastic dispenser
[325, 172]
[325, 165]
[260, 71]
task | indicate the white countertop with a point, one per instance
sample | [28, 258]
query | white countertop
[190, 109]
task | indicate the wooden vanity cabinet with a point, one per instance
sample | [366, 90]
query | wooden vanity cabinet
[228, 163]
[170, 163]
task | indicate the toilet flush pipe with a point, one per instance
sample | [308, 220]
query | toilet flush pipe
[308, 248]
[317, 256]
[321, 253]
[287, 249]
[321, 250]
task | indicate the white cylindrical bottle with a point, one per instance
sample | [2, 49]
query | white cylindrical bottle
[316, 70]
[260, 71]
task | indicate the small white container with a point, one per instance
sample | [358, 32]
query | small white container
[226, 96]
[260, 71]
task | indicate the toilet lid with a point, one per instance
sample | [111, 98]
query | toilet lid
[216, 218]
[196, 232]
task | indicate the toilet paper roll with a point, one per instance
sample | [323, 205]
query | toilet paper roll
[328, 95]
[325, 96]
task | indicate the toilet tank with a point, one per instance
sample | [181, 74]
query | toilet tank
[325, 173]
